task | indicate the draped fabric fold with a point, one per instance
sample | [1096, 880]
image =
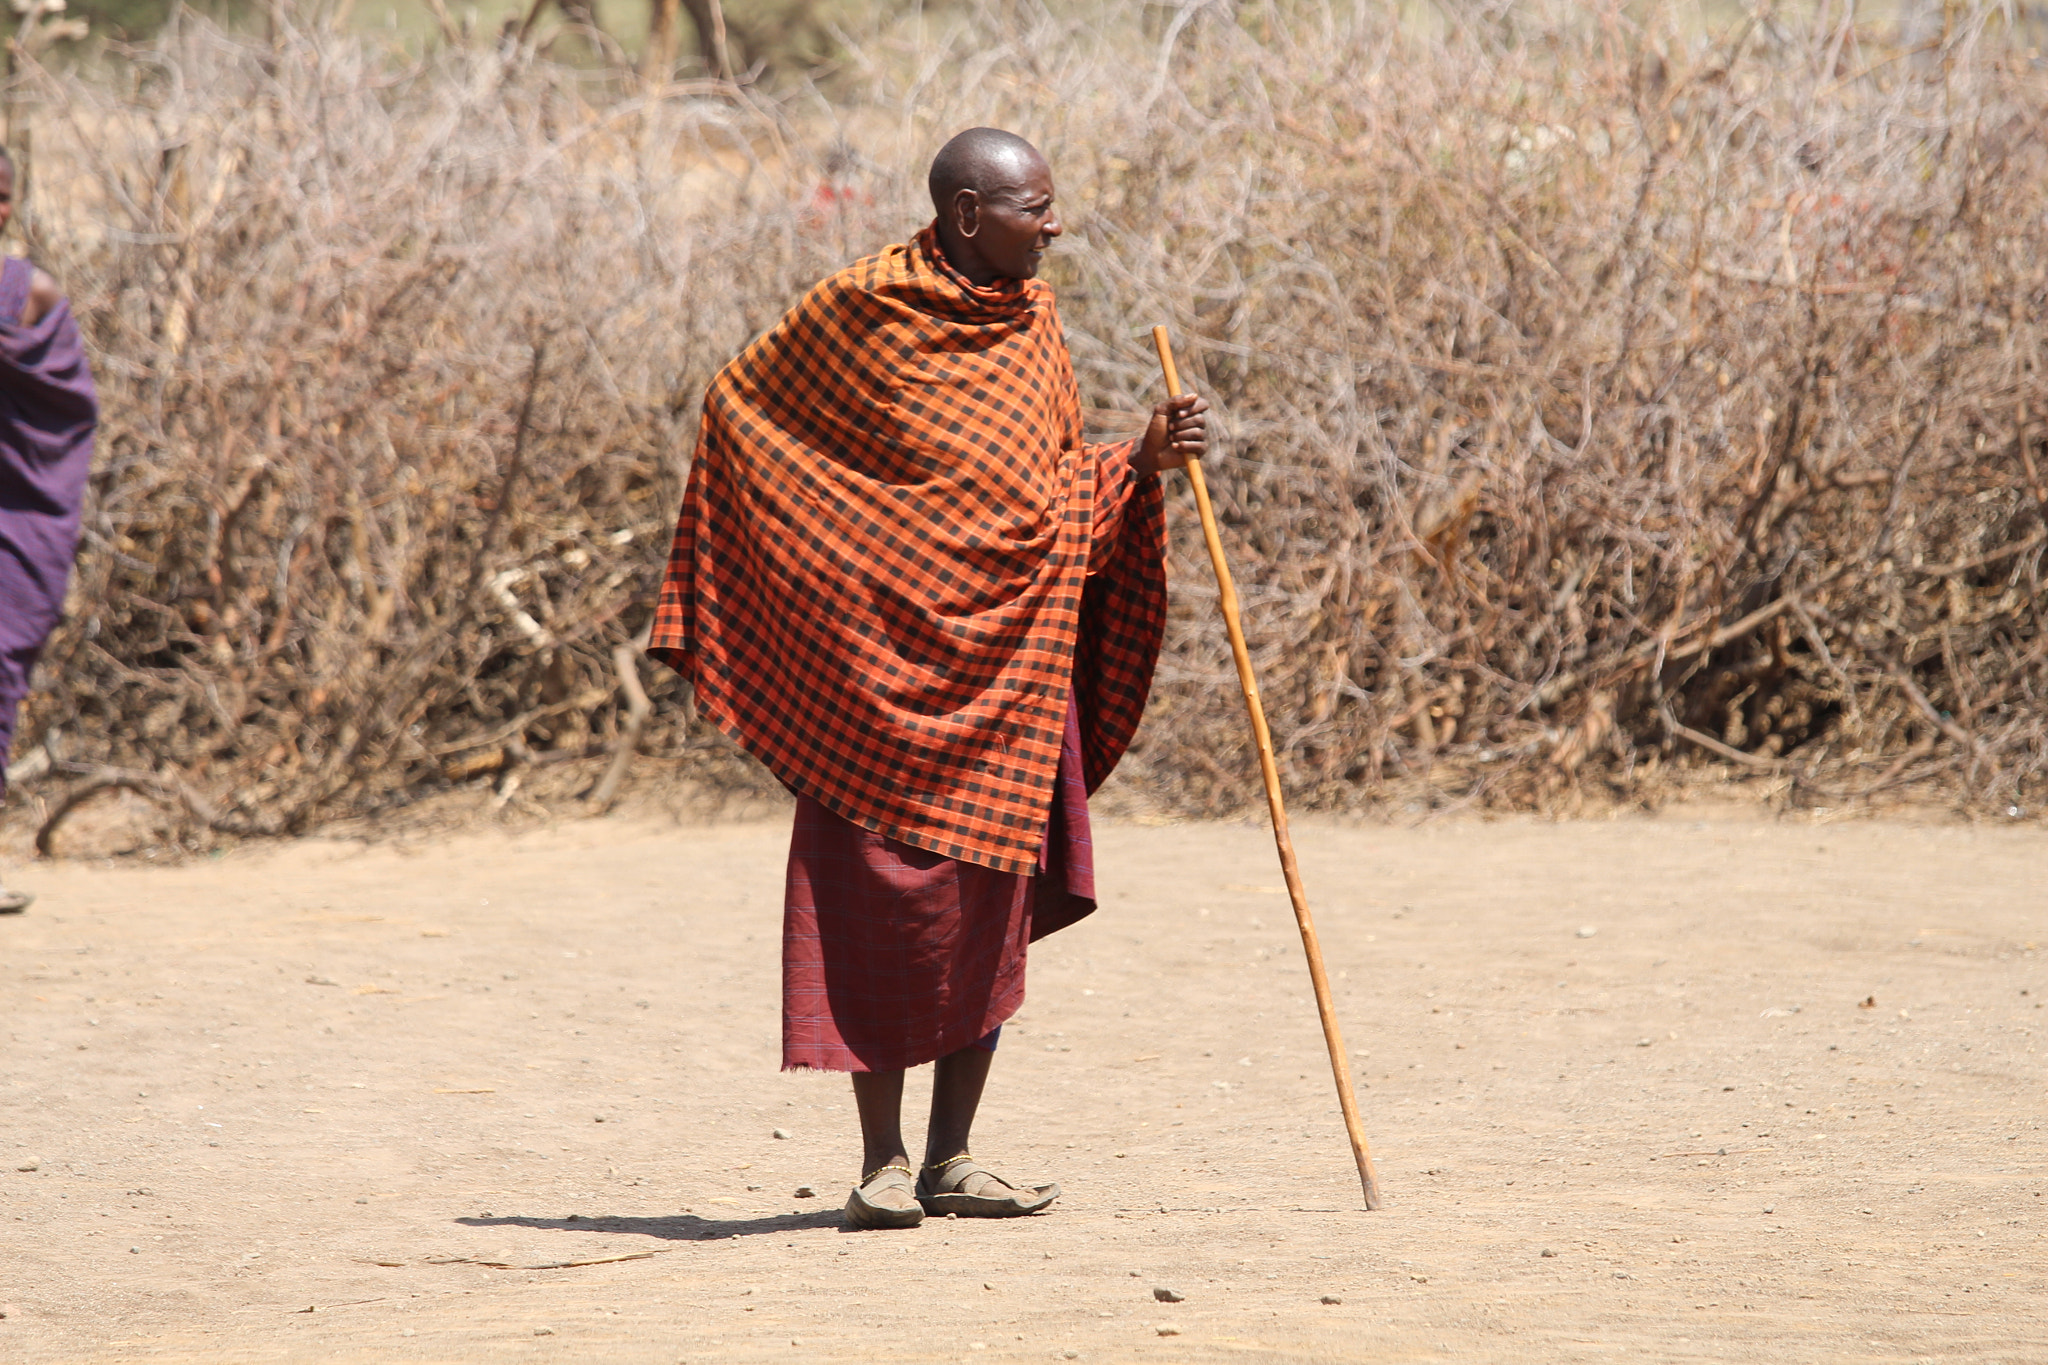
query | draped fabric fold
[48, 413]
[897, 559]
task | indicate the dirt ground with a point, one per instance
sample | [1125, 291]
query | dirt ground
[1699, 1087]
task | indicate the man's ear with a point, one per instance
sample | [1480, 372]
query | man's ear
[967, 213]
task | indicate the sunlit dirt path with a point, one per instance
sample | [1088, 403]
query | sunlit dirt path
[1682, 1088]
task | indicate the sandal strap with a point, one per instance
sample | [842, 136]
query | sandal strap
[934, 1175]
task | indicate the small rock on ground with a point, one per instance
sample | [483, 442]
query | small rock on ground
[1165, 1295]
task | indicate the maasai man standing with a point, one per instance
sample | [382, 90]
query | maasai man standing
[903, 582]
[48, 413]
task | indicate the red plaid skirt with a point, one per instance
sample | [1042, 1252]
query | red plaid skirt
[893, 957]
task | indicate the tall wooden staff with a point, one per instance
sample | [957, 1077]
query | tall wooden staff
[1269, 768]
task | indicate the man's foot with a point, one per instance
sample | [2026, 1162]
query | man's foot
[961, 1187]
[884, 1199]
[14, 902]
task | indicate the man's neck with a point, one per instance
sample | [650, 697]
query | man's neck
[965, 261]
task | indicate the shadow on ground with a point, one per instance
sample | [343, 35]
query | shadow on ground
[685, 1227]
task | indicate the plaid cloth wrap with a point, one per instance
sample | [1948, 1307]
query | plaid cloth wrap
[896, 558]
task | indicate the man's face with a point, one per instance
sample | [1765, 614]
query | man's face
[1016, 222]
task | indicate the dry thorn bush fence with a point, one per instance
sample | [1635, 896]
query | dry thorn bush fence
[1601, 404]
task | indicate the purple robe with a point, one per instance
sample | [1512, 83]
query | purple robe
[48, 412]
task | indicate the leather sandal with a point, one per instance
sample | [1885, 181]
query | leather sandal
[939, 1190]
[14, 902]
[864, 1213]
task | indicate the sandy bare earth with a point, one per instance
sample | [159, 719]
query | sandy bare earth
[330, 1101]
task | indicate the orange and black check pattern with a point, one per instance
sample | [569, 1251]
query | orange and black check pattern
[896, 559]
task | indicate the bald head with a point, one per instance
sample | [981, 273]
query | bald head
[988, 161]
[992, 192]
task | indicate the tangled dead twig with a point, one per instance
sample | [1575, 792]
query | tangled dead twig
[164, 788]
[625, 658]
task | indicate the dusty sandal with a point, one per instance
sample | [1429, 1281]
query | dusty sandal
[960, 1187]
[866, 1209]
[14, 902]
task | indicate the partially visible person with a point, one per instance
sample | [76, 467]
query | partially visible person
[48, 413]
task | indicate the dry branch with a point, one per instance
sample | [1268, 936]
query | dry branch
[626, 659]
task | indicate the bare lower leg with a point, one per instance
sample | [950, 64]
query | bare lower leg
[885, 1197]
[957, 1081]
[878, 1095]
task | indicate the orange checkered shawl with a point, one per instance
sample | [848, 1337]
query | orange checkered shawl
[897, 559]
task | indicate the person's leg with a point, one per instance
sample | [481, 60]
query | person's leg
[14, 670]
[957, 1082]
[886, 1196]
[951, 1181]
[878, 1095]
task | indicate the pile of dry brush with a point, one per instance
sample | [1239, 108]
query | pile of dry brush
[1599, 403]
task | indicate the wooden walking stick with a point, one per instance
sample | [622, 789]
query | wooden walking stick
[1269, 768]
